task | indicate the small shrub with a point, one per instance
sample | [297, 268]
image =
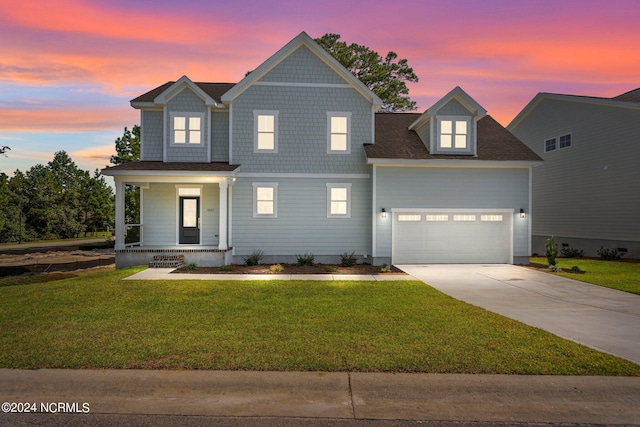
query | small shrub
[254, 258]
[551, 251]
[384, 268]
[331, 269]
[227, 267]
[555, 268]
[192, 266]
[348, 260]
[306, 259]
[575, 269]
[276, 268]
[609, 254]
[569, 252]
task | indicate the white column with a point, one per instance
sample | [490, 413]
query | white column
[222, 233]
[119, 214]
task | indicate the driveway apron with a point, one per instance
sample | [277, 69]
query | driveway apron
[601, 318]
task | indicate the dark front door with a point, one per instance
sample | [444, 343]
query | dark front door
[189, 220]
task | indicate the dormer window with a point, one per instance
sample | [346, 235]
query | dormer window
[453, 134]
[186, 128]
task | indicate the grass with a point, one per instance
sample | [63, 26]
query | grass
[101, 321]
[623, 276]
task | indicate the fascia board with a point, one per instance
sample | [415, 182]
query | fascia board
[178, 86]
[454, 163]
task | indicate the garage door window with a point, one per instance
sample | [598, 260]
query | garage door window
[409, 218]
[491, 218]
[437, 218]
[464, 218]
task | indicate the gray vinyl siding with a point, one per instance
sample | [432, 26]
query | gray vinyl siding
[160, 212]
[590, 190]
[187, 102]
[219, 136]
[454, 188]
[424, 132]
[302, 224]
[302, 129]
[302, 66]
[151, 127]
[453, 108]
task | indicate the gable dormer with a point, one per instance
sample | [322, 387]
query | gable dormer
[449, 127]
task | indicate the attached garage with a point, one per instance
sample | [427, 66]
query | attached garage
[452, 236]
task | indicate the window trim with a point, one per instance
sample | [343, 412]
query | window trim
[330, 115]
[273, 185]
[555, 144]
[469, 143]
[256, 131]
[332, 185]
[187, 116]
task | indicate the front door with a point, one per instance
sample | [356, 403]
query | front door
[189, 220]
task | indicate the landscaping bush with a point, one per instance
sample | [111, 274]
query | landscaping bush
[551, 251]
[331, 269]
[254, 258]
[609, 254]
[276, 268]
[575, 269]
[348, 260]
[569, 252]
[555, 268]
[384, 268]
[192, 266]
[306, 259]
[227, 267]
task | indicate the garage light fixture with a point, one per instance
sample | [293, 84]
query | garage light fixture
[384, 213]
[522, 213]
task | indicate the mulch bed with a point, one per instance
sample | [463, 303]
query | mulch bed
[291, 269]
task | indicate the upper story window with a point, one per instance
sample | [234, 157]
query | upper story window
[265, 199]
[265, 131]
[186, 128]
[338, 200]
[550, 145]
[339, 133]
[453, 133]
[564, 141]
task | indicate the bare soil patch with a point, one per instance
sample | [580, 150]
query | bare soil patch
[291, 269]
[55, 260]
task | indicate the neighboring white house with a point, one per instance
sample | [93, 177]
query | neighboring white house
[587, 193]
[294, 159]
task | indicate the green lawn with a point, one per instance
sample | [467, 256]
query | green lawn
[97, 235]
[100, 321]
[623, 276]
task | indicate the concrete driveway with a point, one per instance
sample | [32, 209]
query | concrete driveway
[598, 317]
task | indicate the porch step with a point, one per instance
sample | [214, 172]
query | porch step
[167, 261]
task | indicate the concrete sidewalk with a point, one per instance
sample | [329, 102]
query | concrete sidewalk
[452, 397]
[165, 274]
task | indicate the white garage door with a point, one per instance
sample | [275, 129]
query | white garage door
[429, 237]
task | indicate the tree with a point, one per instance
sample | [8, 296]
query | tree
[128, 150]
[4, 149]
[386, 77]
[127, 147]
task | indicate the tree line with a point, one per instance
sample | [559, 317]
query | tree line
[54, 201]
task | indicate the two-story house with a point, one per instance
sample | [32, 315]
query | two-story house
[294, 159]
[587, 194]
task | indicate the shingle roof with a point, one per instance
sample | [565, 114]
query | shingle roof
[214, 90]
[172, 166]
[631, 96]
[394, 140]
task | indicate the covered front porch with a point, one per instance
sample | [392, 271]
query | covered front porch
[179, 213]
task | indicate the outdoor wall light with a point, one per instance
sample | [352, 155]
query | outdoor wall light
[384, 213]
[522, 213]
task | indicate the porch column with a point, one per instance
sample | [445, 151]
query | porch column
[120, 232]
[223, 240]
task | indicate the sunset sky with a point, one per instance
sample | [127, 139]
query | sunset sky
[68, 68]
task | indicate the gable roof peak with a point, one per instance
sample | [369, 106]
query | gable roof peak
[459, 95]
[180, 84]
[302, 39]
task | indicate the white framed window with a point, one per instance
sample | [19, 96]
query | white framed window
[265, 125]
[186, 128]
[265, 199]
[338, 200]
[464, 218]
[550, 145]
[338, 132]
[454, 133]
[564, 141]
[409, 218]
[437, 218]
